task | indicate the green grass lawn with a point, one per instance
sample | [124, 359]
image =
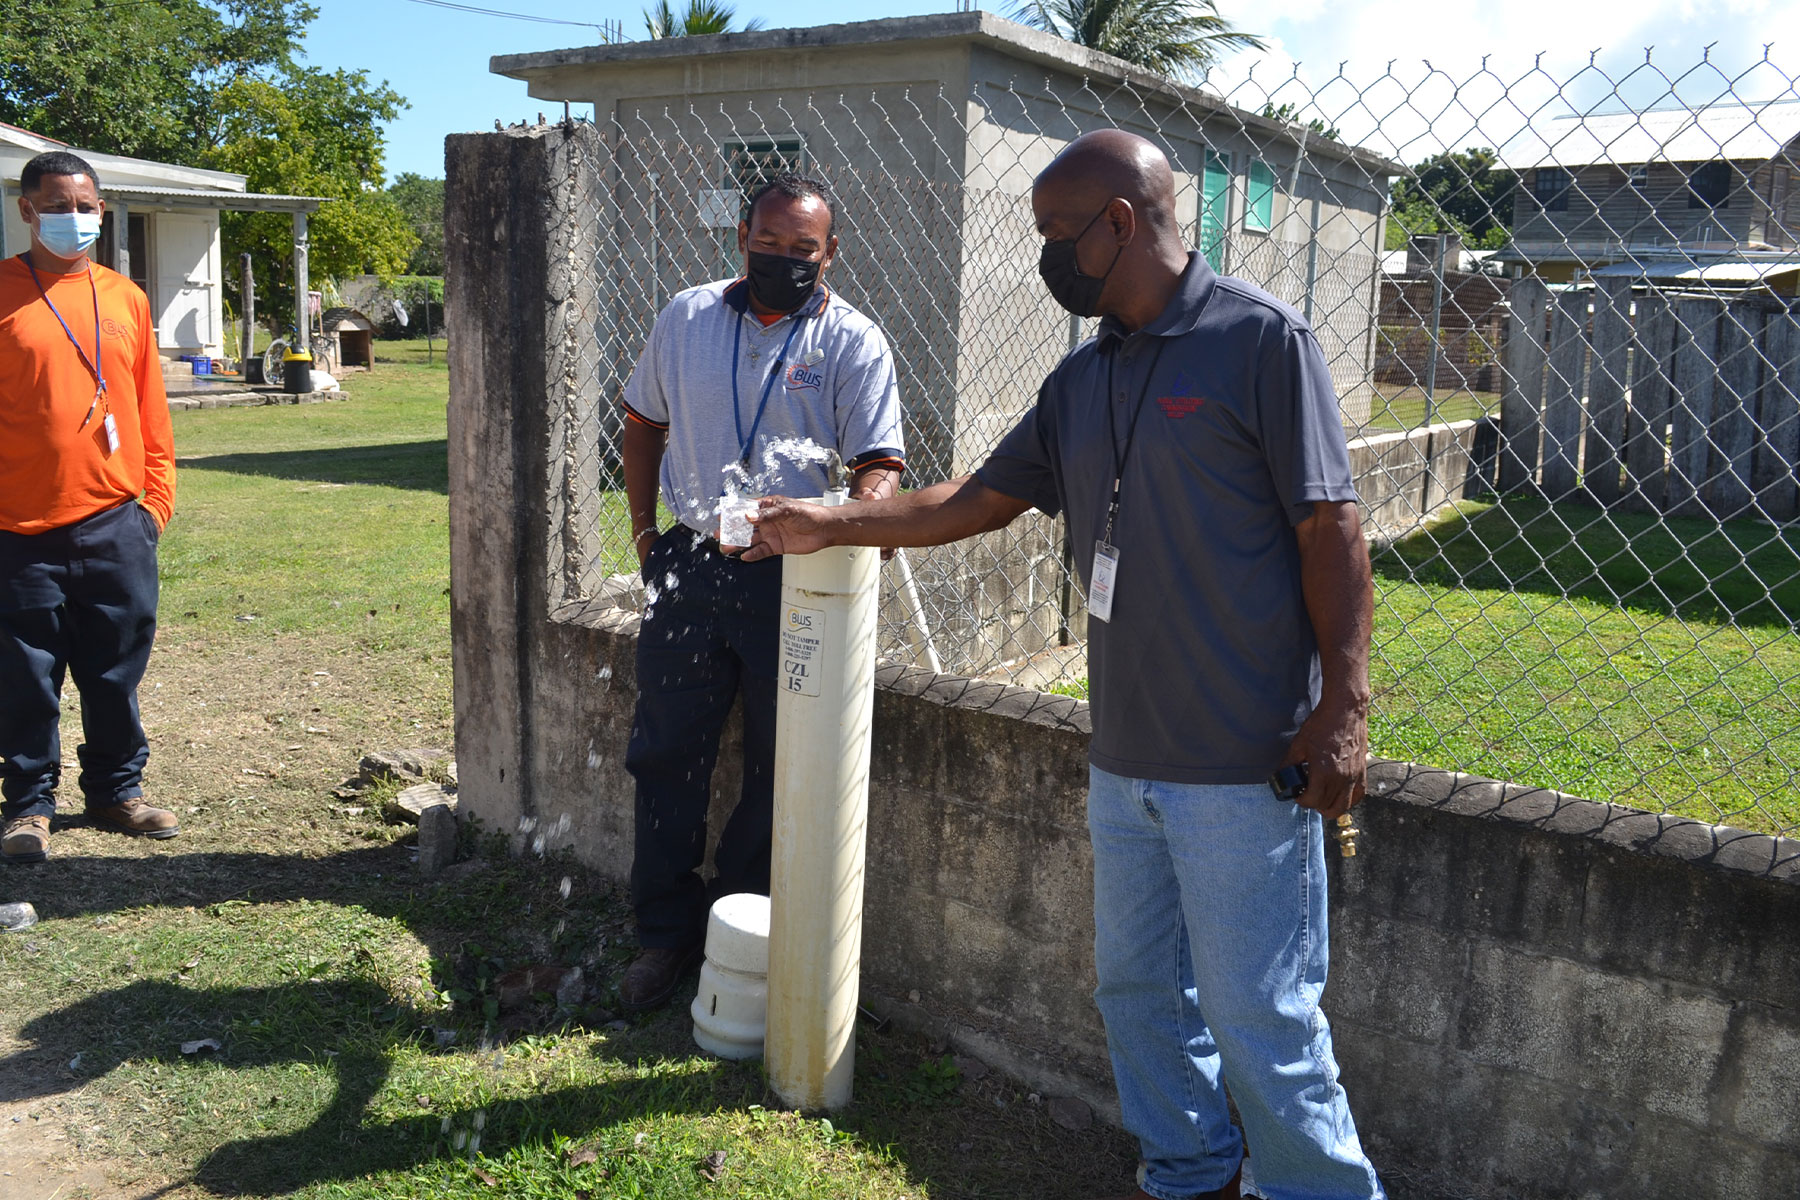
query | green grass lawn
[305, 621]
[1651, 662]
[1616, 657]
[1406, 408]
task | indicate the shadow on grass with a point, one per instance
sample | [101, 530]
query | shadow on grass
[1742, 572]
[959, 1140]
[423, 466]
[355, 1026]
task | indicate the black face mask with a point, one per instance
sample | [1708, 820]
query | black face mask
[779, 282]
[1078, 293]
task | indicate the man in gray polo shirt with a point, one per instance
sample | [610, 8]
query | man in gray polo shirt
[1196, 452]
[743, 388]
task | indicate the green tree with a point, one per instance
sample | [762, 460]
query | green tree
[1178, 38]
[1291, 114]
[422, 200]
[1465, 192]
[701, 17]
[139, 78]
[316, 134]
[217, 83]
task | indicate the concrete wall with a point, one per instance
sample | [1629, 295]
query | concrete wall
[1535, 997]
[1403, 478]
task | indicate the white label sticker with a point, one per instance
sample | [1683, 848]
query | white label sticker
[802, 642]
[1106, 577]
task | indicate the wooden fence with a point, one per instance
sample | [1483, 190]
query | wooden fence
[1672, 402]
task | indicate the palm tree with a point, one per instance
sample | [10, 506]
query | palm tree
[1180, 38]
[701, 17]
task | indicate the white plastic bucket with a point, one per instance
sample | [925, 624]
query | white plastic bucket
[731, 1010]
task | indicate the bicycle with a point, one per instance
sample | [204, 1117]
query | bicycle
[322, 357]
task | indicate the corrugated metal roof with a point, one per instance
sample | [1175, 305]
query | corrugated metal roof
[1744, 132]
[1731, 272]
[212, 198]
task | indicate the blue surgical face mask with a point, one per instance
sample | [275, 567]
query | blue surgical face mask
[68, 235]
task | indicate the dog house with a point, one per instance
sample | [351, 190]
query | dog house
[351, 334]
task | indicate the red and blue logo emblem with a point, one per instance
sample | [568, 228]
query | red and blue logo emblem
[1177, 406]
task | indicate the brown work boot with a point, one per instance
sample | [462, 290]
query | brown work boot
[135, 817]
[26, 840]
[654, 975]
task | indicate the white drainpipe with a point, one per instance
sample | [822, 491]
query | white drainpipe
[822, 725]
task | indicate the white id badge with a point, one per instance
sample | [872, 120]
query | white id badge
[112, 434]
[734, 521]
[1106, 576]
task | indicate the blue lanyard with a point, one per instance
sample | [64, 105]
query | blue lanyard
[92, 364]
[737, 416]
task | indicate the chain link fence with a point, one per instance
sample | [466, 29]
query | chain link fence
[1559, 312]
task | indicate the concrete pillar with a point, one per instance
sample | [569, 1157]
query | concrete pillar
[507, 317]
[121, 238]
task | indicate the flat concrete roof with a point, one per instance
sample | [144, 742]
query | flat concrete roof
[1008, 37]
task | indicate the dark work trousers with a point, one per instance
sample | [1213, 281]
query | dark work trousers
[709, 634]
[81, 601]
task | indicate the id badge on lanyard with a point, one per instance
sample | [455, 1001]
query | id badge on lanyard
[1104, 580]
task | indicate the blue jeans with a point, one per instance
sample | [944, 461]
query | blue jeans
[79, 601]
[1210, 946]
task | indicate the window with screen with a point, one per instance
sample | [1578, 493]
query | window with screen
[751, 164]
[1259, 203]
[1709, 186]
[1550, 187]
[748, 165]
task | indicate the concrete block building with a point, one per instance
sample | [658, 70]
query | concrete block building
[931, 129]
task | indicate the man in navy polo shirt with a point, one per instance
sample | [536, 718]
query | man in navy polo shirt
[743, 387]
[1196, 451]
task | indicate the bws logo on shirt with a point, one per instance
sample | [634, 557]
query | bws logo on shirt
[111, 328]
[1177, 406]
[803, 378]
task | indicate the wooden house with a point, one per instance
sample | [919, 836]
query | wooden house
[1709, 195]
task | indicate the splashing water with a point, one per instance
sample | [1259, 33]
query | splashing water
[742, 490]
[565, 887]
[799, 451]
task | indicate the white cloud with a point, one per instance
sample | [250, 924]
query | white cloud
[1417, 78]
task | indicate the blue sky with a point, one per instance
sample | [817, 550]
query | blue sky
[438, 59]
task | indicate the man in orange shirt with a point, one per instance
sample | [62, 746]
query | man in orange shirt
[87, 482]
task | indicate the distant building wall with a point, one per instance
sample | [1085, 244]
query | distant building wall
[1472, 324]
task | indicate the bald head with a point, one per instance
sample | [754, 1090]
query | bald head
[1108, 163]
[1106, 210]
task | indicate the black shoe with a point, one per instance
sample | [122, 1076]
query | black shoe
[654, 975]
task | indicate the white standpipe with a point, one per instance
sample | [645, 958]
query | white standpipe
[822, 719]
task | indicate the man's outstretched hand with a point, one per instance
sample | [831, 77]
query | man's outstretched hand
[786, 526]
